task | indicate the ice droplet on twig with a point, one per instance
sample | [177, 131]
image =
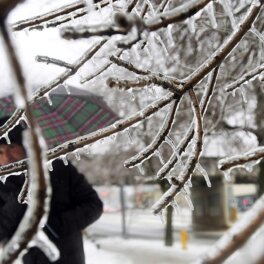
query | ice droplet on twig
[189, 201]
[7, 138]
[50, 167]
[191, 24]
[204, 173]
[25, 119]
[227, 174]
[48, 99]
[65, 160]
[158, 153]
[169, 35]
[3, 178]
[67, 88]
[244, 98]
[161, 215]
[141, 169]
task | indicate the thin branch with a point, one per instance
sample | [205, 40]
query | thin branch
[236, 236]
[239, 160]
[49, 60]
[249, 76]
[131, 5]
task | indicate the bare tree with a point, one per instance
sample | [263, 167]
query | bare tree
[190, 50]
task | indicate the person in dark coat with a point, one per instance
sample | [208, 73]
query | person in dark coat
[74, 205]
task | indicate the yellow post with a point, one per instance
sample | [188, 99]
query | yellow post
[184, 238]
[233, 214]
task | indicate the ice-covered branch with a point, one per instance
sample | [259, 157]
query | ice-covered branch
[251, 75]
[131, 5]
[172, 84]
[222, 52]
[159, 138]
[189, 134]
[65, 13]
[39, 202]
[18, 114]
[236, 236]
[187, 170]
[82, 141]
[240, 160]
[177, 14]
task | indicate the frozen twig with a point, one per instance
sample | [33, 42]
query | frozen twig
[159, 138]
[49, 60]
[251, 75]
[191, 162]
[239, 160]
[236, 236]
[170, 84]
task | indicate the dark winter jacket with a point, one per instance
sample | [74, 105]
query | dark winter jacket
[74, 206]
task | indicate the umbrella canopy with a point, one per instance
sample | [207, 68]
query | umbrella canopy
[69, 116]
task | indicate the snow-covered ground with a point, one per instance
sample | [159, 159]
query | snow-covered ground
[116, 250]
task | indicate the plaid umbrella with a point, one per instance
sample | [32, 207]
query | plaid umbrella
[69, 116]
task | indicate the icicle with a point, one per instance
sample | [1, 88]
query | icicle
[234, 92]
[48, 99]
[140, 168]
[170, 142]
[227, 174]
[179, 160]
[26, 120]
[132, 96]
[99, 7]
[187, 189]
[7, 138]
[191, 24]
[162, 45]
[67, 88]
[127, 130]
[244, 98]
[77, 155]
[111, 4]
[189, 201]
[204, 173]
[210, 11]
[176, 207]
[189, 183]
[228, 9]
[161, 215]
[65, 160]
[169, 35]
[50, 167]
[89, 5]
[158, 153]
[3, 178]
